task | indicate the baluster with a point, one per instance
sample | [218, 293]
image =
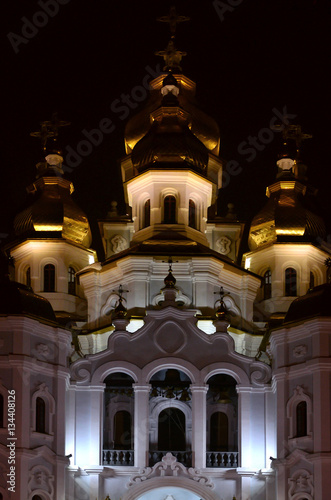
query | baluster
[131, 457]
[111, 458]
[209, 462]
[222, 460]
[235, 459]
[214, 459]
[228, 459]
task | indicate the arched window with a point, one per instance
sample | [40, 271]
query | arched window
[122, 431]
[267, 285]
[1, 411]
[290, 282]
[171, 430]
[192, 222]
[118, 419]
[40, 415]
[222, 420]
[71, 281]
[170, 210]
[219, 432]
[301, 419]
[49, 278]
[147, 213]
[28, 276]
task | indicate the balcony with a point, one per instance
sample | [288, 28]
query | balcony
[217, 459]
[118, 457]
[222, 459]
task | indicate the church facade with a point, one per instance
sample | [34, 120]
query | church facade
[174, 369]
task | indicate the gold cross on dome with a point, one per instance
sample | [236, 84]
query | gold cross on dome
[295, 132]
[173, 19]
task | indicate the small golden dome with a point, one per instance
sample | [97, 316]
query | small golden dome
[51, 211]
[286, 216]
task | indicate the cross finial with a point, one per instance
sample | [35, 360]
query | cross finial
[120, 292]
[222, 293]
[222, 311]
[295, 132]
[173, 19]
[170, 280]
[120, 310]
[49, 129]
[43, 134]
[55, 124]
[172, 57]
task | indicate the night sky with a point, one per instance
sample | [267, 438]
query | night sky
[248, 58]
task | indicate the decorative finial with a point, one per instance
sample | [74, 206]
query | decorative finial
[113, 210]
[172, 57]
[50, 129]
[170, 290]
[173, 20]
[120, 310]
[43, 134]
[222, 310]
[170, 280]
[295, 132]
[286, 163]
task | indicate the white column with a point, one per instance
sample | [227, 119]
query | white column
[96, 422]
[141, 424]
[270, 426]
[244, 430]
[281, 388]
[199, 425]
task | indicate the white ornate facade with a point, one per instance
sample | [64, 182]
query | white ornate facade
[204, 386]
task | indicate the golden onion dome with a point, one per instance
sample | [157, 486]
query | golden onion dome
[51, 212]
[201, 125]
[287, 215]
[169, 142]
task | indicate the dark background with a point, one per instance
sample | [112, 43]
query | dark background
[264, 54]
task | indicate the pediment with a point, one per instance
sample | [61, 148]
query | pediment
[170, 332]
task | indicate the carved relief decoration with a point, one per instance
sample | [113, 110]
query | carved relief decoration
[301, 485]
[171, 468]
[119, 243]
[223, 245]
[300, 351]
[40, 480]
